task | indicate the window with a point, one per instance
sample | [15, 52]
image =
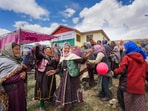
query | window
[89, 37]
[78, 38]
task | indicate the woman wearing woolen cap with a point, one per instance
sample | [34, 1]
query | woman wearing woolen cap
[133, 70]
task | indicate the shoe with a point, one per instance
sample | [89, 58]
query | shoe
[100, 94]
[42, 109]
[106, 98]
[52, 101]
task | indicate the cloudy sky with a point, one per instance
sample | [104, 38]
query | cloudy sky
[120, 19]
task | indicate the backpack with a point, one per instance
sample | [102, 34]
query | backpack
[72, 68]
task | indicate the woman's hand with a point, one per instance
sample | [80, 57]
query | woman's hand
[22, 66]
[50, 72]
[23, 75]
[88, 62]
[87, 53]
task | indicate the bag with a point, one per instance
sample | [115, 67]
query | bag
[72, 68]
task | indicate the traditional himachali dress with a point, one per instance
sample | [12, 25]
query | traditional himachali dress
[69, 90]
[45, 86]
[11, 82]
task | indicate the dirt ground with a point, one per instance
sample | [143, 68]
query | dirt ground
[91, 102]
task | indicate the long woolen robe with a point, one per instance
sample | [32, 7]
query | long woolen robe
[69, 90]
[10, 69]
[45, 86]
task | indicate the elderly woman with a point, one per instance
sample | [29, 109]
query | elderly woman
[12, 76]
[69, 90]
[45, 86]
[115, 57]
[133, 69]
[89, 80]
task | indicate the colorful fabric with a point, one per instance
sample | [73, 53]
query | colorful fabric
[25, 37]
[99, 48]
[72, 68]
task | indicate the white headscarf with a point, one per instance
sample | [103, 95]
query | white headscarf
[69, 56]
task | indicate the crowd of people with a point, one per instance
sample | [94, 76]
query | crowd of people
[74, 65]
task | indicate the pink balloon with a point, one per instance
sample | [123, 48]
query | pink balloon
[102, 68]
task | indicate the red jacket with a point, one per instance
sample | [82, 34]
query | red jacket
[136, 68]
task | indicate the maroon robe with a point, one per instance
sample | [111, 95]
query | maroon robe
[69, 90]
[45, 86]
[15, 89]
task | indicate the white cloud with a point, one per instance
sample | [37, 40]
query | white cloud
[74, 5]
[68, 12]
[36, 27]
[118, 22]
[63, 20]
[75, 20]
[29, 7]
[3, 31]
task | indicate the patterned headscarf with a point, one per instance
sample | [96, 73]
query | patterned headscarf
[99, 48]
[132, 47]
[8, 52]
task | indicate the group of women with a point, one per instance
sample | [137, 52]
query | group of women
[131, 92]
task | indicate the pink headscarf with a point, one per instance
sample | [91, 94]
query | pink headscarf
[99, 48]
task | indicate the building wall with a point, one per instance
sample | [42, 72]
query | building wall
[63, 38]
[96, 36]
[65, 34]
[81, 41]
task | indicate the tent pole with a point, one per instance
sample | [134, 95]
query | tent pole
[19, 38]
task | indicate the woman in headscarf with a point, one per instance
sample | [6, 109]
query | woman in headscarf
[56, 51]
[115, 57]
[45, 86]
[133, 69]
[12, 77]
[69, 90]
[89, 80]
[103, 81]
